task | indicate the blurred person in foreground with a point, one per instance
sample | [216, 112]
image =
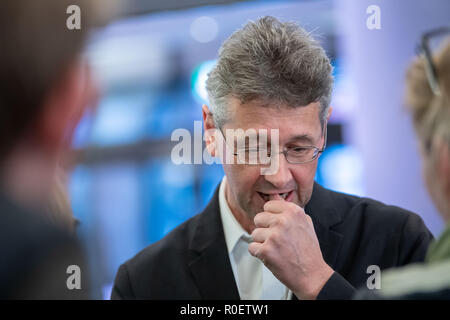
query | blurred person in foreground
[273, 235]
[428, 97]
[45, 86]
[59, 209]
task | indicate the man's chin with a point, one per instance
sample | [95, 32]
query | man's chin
[255, 209]
[252, 210]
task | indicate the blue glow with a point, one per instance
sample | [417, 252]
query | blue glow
[341, 169]
[120, 119]
[199, 77]
[81, 134]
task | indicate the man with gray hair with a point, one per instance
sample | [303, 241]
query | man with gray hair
[276, 235]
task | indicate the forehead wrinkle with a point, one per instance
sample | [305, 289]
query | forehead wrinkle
[260, 115]
[301, 136]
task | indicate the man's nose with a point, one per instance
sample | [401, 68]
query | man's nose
[282, 176]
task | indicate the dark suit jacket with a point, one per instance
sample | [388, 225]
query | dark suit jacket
[192, 262]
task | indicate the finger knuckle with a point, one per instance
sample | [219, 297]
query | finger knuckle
[256, 234]
[292, 206]
[252, 248]
[263, 251]
[283, 220]
[259, 219]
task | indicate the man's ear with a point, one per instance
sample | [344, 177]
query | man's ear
[330, 110]
[210, 130]
[65, 105]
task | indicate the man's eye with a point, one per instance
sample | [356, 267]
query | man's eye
[298, 150]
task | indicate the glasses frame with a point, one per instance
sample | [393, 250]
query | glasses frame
[424, 48]
[317, 150]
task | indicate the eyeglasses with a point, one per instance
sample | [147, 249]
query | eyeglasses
[293, 155]
[429, 41]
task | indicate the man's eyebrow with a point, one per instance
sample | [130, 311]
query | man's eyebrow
[305, 138]
[302, 138]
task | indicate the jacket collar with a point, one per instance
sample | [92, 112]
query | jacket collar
[210, 264]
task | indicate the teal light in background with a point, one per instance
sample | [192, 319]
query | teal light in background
[198, 80]
[341, 169]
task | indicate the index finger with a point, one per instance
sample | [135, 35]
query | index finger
[263, 219]
[275, 206]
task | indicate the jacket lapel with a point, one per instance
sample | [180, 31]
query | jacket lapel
[209, 263]
[322, 210]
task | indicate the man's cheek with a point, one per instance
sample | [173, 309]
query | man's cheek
[304, 176]
[304, 179]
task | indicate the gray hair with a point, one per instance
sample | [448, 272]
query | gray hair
[272, 61]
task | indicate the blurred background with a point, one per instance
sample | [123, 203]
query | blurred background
[152, 64]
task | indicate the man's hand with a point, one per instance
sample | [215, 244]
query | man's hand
[285, 241]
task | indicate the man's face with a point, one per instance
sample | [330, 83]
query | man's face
[248, 189]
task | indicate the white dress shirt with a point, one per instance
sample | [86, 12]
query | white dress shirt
[253, 279]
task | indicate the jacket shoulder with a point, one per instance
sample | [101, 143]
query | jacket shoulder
[158, 265]
[375, 212]
[175, 243]
[381, 234]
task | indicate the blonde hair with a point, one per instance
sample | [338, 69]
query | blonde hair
[431, 113]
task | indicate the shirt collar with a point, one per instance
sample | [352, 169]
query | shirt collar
[232, 229]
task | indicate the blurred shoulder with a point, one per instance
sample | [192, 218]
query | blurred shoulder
[417, 281]
[36, 255]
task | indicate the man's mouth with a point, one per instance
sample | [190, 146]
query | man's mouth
[287, 196]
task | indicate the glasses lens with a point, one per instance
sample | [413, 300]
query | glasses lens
[253, 156]
[438, 40]
[301, 154]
